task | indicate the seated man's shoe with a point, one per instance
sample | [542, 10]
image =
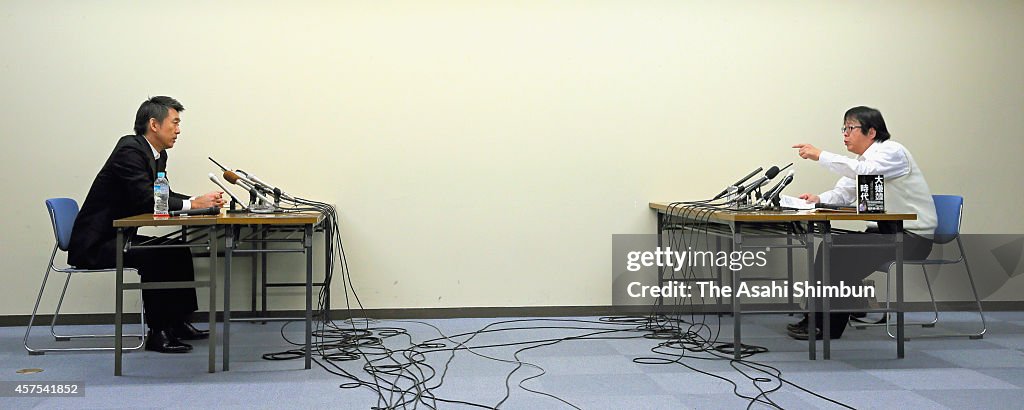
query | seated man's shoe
[802, 324]
[185, 331]
[801, 333]
[164, 341]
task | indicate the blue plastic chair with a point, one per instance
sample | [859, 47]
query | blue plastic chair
[63, 212]
[949, 210]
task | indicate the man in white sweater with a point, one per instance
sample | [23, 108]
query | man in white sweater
[906, 191]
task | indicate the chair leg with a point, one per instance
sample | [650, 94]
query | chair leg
[65, 338]
[56, 312]
[888, 303]
[935, 309]
[888, 298]
[35, 309]
[970, 277]
[974, 290]
[931, 294]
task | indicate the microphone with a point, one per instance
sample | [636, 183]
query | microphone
[213, 210]
[233, 178]
[264, 185]
[255, 181]
[231, 194]
[738, 183]
[776, 190]
[768, 175]
[217, 163]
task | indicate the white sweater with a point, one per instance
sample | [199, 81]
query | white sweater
[906, 190]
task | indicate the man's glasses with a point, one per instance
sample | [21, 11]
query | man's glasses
[846, 129]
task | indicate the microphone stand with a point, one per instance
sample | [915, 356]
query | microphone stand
[259, 206]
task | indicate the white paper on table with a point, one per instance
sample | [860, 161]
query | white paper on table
[787, 201]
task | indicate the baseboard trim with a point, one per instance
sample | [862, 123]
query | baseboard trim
[482, 312]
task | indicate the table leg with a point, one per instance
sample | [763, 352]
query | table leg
[308, 242]
[900, 336]
[263, 271]
[212, 237]
[789, 262]
[229, 246]
[719, 278]
[661, 268]
[826, 348]
[737, 345]
[328, 258]
[812, 321]
[253, 273]
[119, 300]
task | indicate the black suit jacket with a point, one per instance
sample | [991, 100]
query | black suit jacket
[123, 188]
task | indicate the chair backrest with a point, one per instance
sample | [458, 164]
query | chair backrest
[948, 210]
[63, 212]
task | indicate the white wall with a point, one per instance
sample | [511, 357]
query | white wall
[483, 153]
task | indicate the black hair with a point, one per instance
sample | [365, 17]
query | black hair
[869, 118]
[156, 108]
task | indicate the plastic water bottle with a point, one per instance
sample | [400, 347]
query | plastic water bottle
[161, 195]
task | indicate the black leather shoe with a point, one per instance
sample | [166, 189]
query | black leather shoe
[185, 331]
[801, 333]
[802, 324]
[164, 341]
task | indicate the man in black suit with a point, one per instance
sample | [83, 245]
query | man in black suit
[123, 188]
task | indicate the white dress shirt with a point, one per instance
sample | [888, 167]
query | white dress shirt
[185, 205]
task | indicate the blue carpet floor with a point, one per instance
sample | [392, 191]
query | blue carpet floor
[595, 368]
